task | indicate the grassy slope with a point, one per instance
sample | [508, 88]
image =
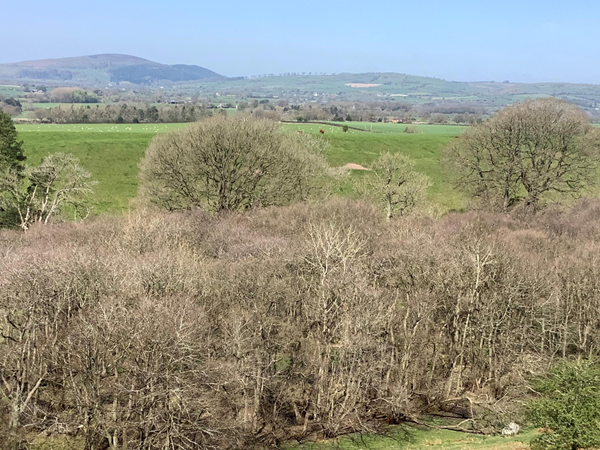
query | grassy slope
[409, 438]
[112, 158]
[112, 154]
[424, 148]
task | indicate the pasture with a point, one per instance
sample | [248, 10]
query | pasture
[412, 438]
[112, 153]
[10, 90]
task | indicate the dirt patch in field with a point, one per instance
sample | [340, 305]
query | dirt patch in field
[362, 85]
[353, 166]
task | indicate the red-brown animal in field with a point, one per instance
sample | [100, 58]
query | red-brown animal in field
[322, 131]
[300, 131]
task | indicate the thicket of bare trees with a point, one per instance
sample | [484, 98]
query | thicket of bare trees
[190, 331]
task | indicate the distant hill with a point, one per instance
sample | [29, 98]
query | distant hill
[399, 87]
[448, 96]
[101, 69]
[145, 73]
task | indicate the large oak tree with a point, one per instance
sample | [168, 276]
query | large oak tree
[527, 151]
[231, 164]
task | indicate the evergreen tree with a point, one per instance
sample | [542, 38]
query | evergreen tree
[11, 161]
[11, 150]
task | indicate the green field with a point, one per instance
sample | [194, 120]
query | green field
[151, 128]
[398, 128]
[48, 105]
[112, 153]
[10, 90]
[410, 438]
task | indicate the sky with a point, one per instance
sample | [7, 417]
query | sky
[460, 40]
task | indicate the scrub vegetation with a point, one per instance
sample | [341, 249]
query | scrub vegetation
[267, 285]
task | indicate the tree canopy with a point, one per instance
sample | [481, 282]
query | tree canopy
[526, 151]
[11, 149]
[226, 164]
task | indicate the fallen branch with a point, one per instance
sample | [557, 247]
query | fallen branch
[457, 428]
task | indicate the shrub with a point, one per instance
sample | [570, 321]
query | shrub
[569, 408]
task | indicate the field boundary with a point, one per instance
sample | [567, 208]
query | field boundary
[332, 124]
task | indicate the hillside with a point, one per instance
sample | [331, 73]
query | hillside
[397, 87]
[190, 80]
[101, 69]
[106, 61]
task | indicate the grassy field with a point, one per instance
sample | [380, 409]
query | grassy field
[48, 105]
[398, 128]
[112, 158]
[425, 148]
[112, 153]
[410, 438]
[150, 128]
[10, 90]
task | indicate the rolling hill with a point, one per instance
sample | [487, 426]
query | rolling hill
[101, 69]
[189, 80]
[398, 86]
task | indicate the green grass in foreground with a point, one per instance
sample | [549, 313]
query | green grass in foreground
[399, 438]
[112, 154]
[410, 438]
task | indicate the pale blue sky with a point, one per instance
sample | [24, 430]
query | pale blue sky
[526, 40]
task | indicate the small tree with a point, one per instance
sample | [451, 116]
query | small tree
[568, 409]
[528, 150]
[46, 190]
[394, 183]
[226, 164]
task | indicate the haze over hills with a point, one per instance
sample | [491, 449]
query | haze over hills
[105, 61]
[101, 69]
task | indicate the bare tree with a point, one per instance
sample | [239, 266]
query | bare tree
[528, 149]
[59, 181]
[231, 164]
[396, 184]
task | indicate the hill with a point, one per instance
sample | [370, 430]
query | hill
[102, 69]
[397, 87]
[191, 80]
[106, 61]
